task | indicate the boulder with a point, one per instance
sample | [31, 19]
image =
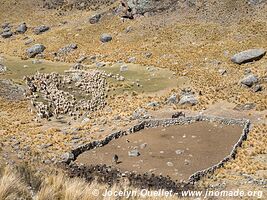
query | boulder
[95, 19]
[249, 80]
[41, 29]
[105, 38]
[22, 28]
[188, 99]
[248, 56]
[35, 50]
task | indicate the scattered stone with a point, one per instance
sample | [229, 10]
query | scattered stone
[257, 88]
[140, 114]
[172, 99]
[247, 71]
[178, 115]
[247, 106]
[100, 64]
[34, 50]
[77, 66]
[5, 25]
[249, 80]
[81, 59]
[7, 34]
[132, 60]
[105, 38]
[121, 78]
[95, 19]
[222, 71]
[67, 49]
[2, 68]
[186, 162]
[128, 29]
[179, 152]
[22, 28]
[29, 41]
[67, 157]
[248, 56]
[142, 146]
[148, 54]
[188, 99]
[153, 104]
[134, 153]
[41, 29]
[169, 164]
[123, 68]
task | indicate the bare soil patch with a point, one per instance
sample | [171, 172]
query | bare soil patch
[175, 151]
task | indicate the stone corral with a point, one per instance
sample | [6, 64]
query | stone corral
[153, 123]
[73, 94]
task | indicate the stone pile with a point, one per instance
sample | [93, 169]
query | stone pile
[55, 94]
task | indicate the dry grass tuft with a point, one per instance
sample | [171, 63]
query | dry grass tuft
[12, 187]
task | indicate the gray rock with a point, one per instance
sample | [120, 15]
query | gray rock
[100, 64]
[188, 99]
[169, 164]
[247, 71]
[153, 104]
[5, 25]
[7, 34]
[105, 38]
[148, 54]
[34, 50]
[179, 152]
[41, 29]
[132, 59]
[140, 114]
[2, 68]
[81, 59]
[255, 2]
[142, 146]
[249, 80]
[134, 153]
[124, 68]
[128, 29]
[248, 56]
[172, 99]
[121, 78]
[95, 19]
[29, 41]
[67, 157]
[22, 28]
[7, 29]
[257, 88]
[67, 49]
[247, 106]
[222, 71]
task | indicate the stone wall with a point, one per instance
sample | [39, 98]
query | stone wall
[154, 123]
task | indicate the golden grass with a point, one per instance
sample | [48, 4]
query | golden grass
[12, 187]
[57, 187]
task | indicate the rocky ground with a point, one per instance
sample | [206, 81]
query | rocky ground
[196, 40]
